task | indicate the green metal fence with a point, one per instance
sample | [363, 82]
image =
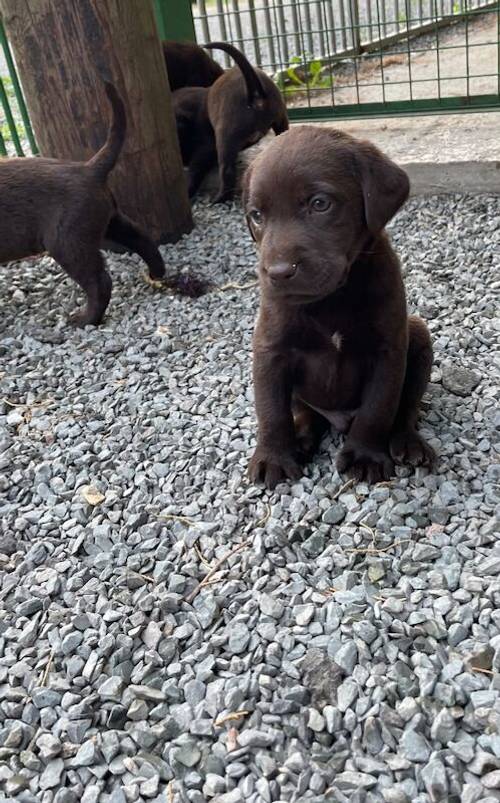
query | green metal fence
[346, 58]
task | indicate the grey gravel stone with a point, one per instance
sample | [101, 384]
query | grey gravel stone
[460, 381]
[414, 746]
[239, 637]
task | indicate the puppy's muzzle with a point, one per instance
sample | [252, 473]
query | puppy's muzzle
[278, 271]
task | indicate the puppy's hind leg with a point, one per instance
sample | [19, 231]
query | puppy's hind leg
[310, 427]
[125, 232]
[203, 159]
[406, 445]
[227, 154]
[87, 268]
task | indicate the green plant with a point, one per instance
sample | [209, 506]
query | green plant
[304, 73]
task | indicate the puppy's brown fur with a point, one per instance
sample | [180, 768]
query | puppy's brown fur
[215, 124]
[333, 341]
[66, 208]
[189, 65]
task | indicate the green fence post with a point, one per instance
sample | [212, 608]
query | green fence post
[11, 67]
[11, 123]
[174, 19]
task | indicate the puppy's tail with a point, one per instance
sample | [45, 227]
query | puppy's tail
[254, 86]
[105, 159]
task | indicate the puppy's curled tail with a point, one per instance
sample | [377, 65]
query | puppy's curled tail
[254, 86]
[105, 159]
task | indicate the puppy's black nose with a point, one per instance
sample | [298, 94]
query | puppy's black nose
[282, 270]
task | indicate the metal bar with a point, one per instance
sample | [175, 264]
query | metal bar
[308, 28]
[278, 37]
[321, 29]
[11, 67]
[269, 36]
[296, 26]
[203, 17]
[332, 39]
[408, 14]
[343, 25]
[406, 108]
[467, 67]
[397, 22]
[223, 29]
[174, 19]
[356, 38]
[283, 27]
[237, 23]
[10, 120]
[255, 33]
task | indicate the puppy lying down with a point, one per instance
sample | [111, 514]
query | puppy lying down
[66, 208]
[333, 343]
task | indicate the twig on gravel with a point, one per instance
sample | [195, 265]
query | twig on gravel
[343, 488]
[173, 517]
[190, 597]
[234, 715]
[375, 550]
[235, 286]
[265, 518]
[46, 671]
[147, 577]
[200, 556]
[480, 669]
[170, 792]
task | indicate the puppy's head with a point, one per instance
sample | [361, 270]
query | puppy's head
[313, 199]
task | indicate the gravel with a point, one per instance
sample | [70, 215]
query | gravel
[346, 645]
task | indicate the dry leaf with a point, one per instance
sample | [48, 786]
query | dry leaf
[92, 495]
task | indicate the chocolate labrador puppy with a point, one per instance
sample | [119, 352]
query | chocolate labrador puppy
[66, 208]
[333, 342]
[189, 65]
[215, 124]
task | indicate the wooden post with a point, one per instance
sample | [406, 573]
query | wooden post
[63, 50]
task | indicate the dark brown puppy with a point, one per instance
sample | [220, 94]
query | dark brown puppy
[333, 342]
[66, 208]
[189, 65]
[215, 124]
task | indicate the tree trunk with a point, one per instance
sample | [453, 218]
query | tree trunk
[63, 50]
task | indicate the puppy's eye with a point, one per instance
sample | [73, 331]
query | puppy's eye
[255, 216]
[320, 203]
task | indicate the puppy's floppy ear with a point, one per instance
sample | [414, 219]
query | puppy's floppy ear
[245, 188]
[385, 186]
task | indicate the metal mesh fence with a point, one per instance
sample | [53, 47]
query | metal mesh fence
[364, 57]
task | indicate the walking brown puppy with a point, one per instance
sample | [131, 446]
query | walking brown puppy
[333, 342]
[189, 65]
[215, 124]
[66, 209]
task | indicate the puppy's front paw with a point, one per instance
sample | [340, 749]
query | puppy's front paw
[362, 463]
[408, 446]
[273, 467]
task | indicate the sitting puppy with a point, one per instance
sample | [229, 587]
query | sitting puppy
[215, 124]
[66, 209]
[333, 341]
[189, 65]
